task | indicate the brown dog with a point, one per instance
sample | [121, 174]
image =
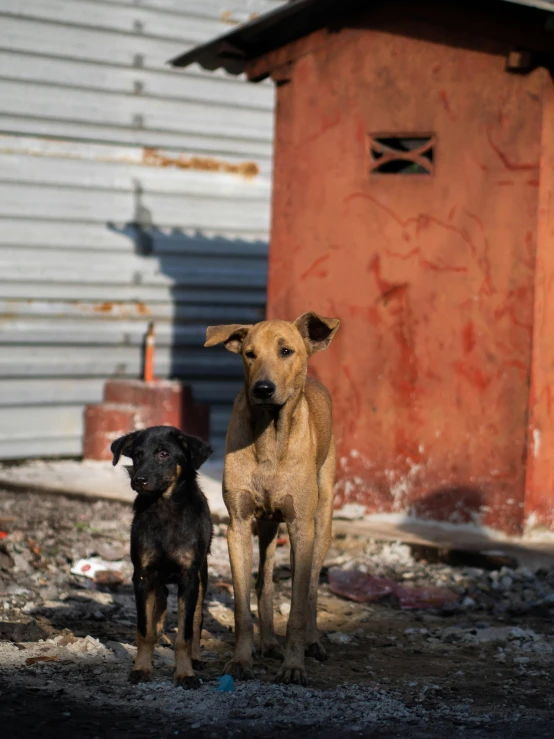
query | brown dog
[279, 466]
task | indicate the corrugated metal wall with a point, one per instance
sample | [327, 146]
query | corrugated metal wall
[128, 192]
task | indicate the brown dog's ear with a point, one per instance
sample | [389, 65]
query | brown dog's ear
[196, 450]
[232, 336]
[316, 331]
[123, 446]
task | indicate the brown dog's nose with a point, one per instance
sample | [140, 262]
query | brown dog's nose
[263, 389]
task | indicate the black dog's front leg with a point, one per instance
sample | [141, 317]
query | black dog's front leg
[151, 603]
[199, 617]
[187, 597]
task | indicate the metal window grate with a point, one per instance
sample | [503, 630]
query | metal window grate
[402, 154]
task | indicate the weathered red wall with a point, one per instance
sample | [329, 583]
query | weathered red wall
[432, 276]
[539, 496]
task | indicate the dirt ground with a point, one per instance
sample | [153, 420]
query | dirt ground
[480, 667]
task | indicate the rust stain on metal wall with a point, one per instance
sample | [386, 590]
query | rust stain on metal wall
[117, 309]
[153, 158]
[227, 17]
[53, 149]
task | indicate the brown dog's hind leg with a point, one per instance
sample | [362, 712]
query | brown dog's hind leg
[187, 599]
[323, 526]
[199, 617]
[151, 603]
[267, 539]
[239, 539]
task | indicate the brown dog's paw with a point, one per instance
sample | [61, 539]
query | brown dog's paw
[187, 682]
[139, 676]
[316, 651]
[197, 664]
[239, 670]
[292, 676]
[272, 651]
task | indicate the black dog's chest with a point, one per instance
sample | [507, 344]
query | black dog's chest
[164, 540]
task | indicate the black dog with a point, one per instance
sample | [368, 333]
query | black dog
[170, 540]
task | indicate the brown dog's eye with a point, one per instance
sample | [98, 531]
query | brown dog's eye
[250, 355]
[286, 352]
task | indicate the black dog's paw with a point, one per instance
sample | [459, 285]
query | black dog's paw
[316, 651]
[197, 664]
[187, 682]
[139, 676]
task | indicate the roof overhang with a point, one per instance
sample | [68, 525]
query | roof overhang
[287, 23]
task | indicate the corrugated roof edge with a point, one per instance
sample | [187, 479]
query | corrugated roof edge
[275, 29]
[260, 35]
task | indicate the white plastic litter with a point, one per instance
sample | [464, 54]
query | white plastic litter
[91, 566]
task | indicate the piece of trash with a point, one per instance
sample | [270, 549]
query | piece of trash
[93, 565]
[362, 588]
[226, 684]
[284, 609]
[109, 577]
[337, 637]
[33, 660]
[281, 541]
[3, 534]
[350, 512]
[33, 547]
[427, 597]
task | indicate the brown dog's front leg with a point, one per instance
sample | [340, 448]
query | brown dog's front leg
[187, 598]
[239, 540]
[151, 601]
[302, 542]
[267, 539]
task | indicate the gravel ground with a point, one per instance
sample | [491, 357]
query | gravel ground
[479, 667]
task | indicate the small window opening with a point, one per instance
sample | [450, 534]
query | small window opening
[409, 154]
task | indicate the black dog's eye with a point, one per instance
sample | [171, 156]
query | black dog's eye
[286, 352]
[250, 355]
[162, 454]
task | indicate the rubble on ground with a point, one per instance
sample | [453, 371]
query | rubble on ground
[480, 660]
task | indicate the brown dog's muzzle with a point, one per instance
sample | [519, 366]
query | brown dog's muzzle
[263, 392]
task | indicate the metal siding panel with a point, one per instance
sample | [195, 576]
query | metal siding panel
[35, 38]
[83, 94]
[58, 360]
[175, 140]
[138, 21]
[105, 294]
[145, 84]
[224, 215]
[123, 176]
[64, 446]
[228, 11]
[39, 100]
[93, 237]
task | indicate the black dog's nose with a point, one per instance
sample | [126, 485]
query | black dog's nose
[140, 482]
[263, 389]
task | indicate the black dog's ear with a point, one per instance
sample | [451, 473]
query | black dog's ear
[196, 450]
[122, 446]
